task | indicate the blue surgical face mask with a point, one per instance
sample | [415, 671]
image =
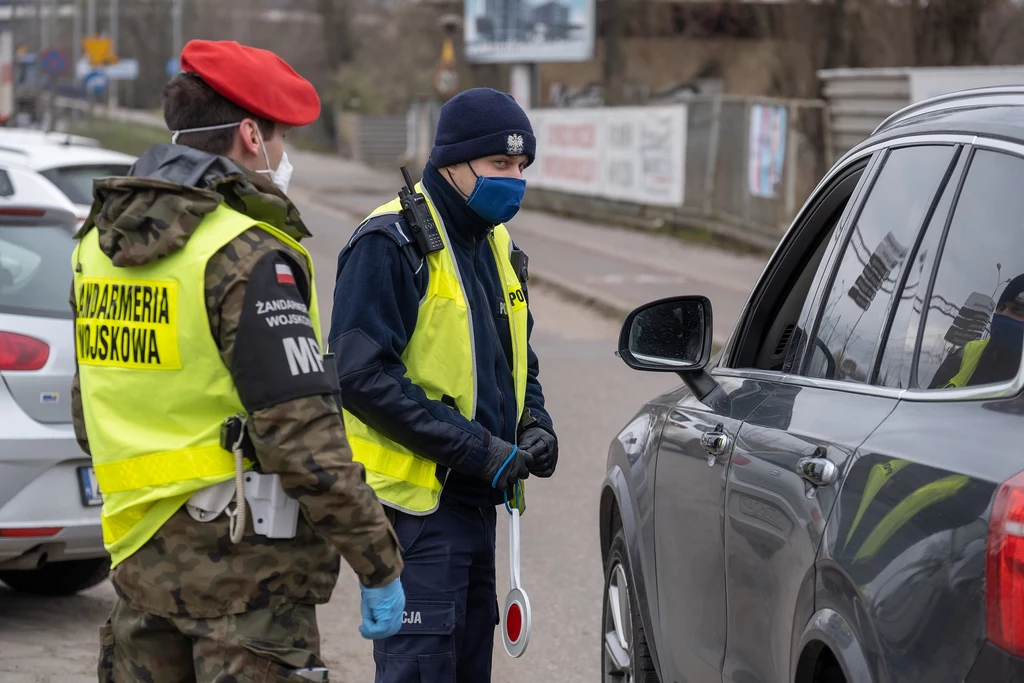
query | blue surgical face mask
[1007, 332]
[496, 200]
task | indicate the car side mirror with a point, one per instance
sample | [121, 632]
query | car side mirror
[671, 335]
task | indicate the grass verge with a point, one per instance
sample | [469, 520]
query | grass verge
[129, 138]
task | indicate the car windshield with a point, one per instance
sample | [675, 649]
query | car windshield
[76, 181]
[35, 270]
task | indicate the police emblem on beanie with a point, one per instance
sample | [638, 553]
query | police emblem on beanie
[514, 145]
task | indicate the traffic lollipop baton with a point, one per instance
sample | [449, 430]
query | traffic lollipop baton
[517, 620]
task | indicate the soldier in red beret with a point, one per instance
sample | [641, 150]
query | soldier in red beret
[230, 494]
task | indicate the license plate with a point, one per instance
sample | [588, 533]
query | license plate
[89, 487]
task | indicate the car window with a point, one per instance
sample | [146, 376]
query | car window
[35, 270]
[974, 321]
[773, 330]
[76, 181]
[855, 309]
[898, 357]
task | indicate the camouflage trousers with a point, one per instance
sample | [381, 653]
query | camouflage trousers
[262, 646]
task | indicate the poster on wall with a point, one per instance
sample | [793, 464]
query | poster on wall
[767, 150]
[524, 31]
[634, 154]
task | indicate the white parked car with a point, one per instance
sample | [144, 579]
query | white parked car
[70, 167]
[31, 136]
[51, 542]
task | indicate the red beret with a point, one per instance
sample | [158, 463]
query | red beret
[256, 80]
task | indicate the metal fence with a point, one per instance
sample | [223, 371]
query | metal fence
[749, 175]
[372, 140]
[750, 163]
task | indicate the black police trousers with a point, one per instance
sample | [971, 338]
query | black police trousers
[451, 609]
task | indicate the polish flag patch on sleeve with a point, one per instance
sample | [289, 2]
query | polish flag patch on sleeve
[285, 276]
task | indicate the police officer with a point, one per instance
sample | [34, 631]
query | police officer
[194, 302]
[993, 359]
[439, 385]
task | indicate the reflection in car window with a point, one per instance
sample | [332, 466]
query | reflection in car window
[898, 357]
[974, 324]
[35, 270]
[886, 228]
[76, 181]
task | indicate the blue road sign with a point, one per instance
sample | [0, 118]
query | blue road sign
[95, 82]
[173, 66]
[53, 62]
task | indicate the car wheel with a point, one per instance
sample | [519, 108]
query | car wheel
[626, 657]
[58, 578]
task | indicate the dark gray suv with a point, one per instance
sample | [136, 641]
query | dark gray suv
[838, 496]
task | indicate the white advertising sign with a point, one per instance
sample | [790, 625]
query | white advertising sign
[634, 154]
[926, 83]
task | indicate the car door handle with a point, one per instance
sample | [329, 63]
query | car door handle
[819, 471]
[715, 443]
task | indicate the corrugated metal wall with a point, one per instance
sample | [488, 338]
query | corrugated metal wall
[859, 100]
[381, 140]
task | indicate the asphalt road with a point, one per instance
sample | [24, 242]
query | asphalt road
[590, 394]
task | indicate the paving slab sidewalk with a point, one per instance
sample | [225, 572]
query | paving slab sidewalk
[610, 268]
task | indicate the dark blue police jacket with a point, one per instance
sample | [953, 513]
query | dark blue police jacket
[381, 280]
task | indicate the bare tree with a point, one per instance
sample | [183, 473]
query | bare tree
[395, 51]
[336, 29]
[883, 33]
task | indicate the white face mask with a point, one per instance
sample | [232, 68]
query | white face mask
[280, 176]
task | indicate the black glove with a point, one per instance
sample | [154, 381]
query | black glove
[543, 446]
[505, 464]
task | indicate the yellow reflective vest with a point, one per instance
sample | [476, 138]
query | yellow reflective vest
[441, 360]
[154, 388]
[925, 495]
[968, 363]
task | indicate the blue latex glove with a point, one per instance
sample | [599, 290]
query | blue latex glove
[382, 610]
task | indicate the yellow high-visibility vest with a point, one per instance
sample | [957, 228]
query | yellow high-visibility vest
[154, 388]
[440, 359]
[968, 363]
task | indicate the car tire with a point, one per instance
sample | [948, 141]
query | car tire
[625, 654]
[58, 578]
[832, 674]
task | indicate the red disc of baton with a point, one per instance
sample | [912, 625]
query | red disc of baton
[517, 623]
[514, 622]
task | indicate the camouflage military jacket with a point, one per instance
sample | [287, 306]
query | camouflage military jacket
[191, 569]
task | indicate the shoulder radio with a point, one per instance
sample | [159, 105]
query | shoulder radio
[417, 216]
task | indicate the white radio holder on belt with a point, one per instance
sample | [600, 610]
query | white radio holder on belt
[275, 514]
[517, 619]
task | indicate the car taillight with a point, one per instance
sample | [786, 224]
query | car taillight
[22, 211]
[18, 352]
[1004, 574]
[31, 532]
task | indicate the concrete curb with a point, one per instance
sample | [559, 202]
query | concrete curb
[609, 307]
[606, 306]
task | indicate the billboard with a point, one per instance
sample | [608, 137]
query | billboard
[633, 154]
[527, 31]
